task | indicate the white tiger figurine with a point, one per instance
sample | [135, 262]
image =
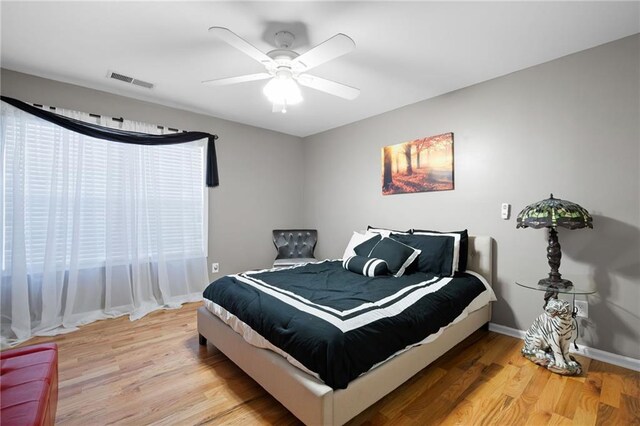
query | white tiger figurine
[547, 340]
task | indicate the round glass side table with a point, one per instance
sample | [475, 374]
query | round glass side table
[548, 339]
[581, 286]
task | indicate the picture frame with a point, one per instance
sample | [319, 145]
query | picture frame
[420, 165]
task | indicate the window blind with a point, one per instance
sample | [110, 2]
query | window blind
[91, 184]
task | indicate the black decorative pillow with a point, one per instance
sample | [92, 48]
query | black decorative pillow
[367, 266]
[397, 255]
[364, 248]
[464, 245]
[438, 253]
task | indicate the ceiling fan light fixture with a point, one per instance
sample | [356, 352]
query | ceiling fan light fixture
[283, 90]
[287, 69]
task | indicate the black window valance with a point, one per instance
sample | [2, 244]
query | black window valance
[123, 136]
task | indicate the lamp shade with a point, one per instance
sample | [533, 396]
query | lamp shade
[554, 212]
[283, 90]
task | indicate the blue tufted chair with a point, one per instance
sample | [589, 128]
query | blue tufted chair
[295, 246]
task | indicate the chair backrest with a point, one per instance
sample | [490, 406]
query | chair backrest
[295, 243]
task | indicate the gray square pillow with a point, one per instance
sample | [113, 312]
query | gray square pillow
[364, 248]
[397, 255]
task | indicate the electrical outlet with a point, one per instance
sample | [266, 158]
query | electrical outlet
[215, 268]
[582, 308]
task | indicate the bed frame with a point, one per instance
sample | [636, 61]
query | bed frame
[315, 403]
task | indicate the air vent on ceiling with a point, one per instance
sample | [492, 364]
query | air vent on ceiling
[130, 80]
[120, 77]
[142, 83]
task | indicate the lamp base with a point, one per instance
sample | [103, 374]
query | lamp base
[558, 283]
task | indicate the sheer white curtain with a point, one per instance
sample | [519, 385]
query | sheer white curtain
[94, 229]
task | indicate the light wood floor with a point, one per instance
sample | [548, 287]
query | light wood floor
[153, 371]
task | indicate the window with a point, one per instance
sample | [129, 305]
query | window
[101, 199]
[94, 229]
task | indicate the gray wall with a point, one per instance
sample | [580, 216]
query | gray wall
[570, 126]
[256, 193]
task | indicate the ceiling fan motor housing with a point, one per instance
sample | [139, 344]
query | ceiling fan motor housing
[283, 61]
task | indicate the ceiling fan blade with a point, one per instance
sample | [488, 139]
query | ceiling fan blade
[235, 80]
[328, 86]
[336, 46]
[241, 44]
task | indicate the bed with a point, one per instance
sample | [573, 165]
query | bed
[308, 397]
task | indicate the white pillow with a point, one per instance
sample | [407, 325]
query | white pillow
[379, 231]
[356, 239]
[386, 232]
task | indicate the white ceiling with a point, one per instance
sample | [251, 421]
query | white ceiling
[406, 52]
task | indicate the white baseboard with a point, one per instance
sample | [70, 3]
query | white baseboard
[518, 334]
[597, 354]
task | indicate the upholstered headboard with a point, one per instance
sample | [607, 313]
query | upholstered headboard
[481, 256]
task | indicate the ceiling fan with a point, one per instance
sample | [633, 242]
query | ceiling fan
[286, 68]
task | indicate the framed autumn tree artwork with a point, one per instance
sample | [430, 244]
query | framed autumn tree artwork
[420, 165]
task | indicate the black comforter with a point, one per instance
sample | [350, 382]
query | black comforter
[338, 323]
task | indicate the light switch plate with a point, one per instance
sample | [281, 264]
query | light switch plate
[505, 210]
